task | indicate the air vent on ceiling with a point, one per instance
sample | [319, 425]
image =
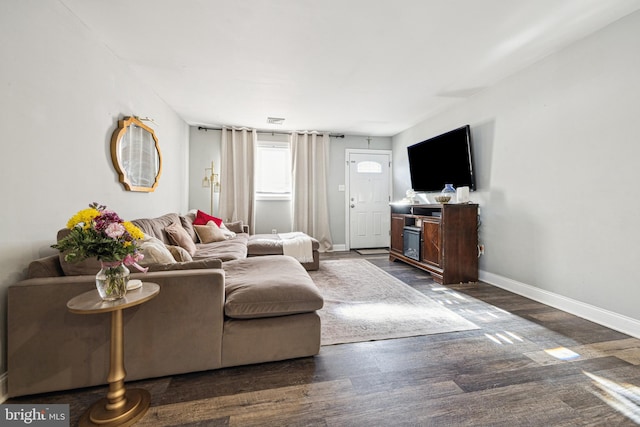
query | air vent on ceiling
[275, 120]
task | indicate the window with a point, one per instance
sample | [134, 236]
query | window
[273, 171]
[369, 167]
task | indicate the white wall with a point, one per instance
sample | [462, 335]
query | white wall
[61, 94]
[556, 148]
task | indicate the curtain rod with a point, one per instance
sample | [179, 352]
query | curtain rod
[272, 132]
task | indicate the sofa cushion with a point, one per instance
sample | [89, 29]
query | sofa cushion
[187, 223]
[190, 265]
[270, 244]
[210, 233]
[154, 251]
[179, 253]
[179, 236]
[155, 226]
[227, 250]
[45, 267]
[235, 226]
[268, 286]
[89, 266]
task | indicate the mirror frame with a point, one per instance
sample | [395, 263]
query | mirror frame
[116, 141]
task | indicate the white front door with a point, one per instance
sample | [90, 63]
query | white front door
[368, 198]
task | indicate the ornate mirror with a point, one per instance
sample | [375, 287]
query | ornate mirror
[136, 155]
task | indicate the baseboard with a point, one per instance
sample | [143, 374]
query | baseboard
[339, 248]
[615, 321]
[3, 387]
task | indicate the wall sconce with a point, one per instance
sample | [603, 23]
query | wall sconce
[211, 181]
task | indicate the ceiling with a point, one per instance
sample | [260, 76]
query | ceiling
[360, 67]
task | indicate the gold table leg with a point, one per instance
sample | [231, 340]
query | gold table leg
[121, 407]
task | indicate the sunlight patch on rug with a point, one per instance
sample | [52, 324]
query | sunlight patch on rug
[365, 303]
[378, 312]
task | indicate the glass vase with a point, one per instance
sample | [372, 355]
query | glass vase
[111, 280]
[447, 194]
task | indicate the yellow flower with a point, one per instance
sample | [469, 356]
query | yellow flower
[134, 231]
[83, 217]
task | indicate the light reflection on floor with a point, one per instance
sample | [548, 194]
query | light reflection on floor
[623, 397]
[505, 337]
[562, 353]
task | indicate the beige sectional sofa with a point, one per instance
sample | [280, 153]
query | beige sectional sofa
[240, 246]
[209, 314]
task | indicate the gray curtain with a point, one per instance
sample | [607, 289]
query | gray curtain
[310, 210]
[237, 199]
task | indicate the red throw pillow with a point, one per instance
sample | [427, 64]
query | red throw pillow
[203, 218]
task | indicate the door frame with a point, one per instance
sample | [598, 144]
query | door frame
[347, 154]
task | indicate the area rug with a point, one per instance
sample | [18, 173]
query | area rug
[364, 303]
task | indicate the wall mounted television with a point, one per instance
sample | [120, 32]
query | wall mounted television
[443, 159]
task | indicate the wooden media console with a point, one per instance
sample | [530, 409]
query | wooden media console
[446, 236]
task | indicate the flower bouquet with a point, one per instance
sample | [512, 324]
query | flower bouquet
[101, 233]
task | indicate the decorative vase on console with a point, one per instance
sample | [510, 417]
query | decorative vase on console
[448, 193]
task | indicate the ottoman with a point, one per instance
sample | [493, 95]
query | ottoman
[271, 244]
[268, 298]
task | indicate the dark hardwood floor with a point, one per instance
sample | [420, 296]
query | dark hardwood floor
[527, 365]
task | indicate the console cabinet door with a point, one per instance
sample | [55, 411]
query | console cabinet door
[431, 241]
[397, 229]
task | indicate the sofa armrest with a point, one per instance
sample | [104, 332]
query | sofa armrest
[49, 348]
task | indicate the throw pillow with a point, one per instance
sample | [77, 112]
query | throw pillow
[179, 236]
[227, 233]
[203, 218]
[236, 226]
[155, 226]
[209, 233]
[187, 223]
[154, 251]
[179, 253]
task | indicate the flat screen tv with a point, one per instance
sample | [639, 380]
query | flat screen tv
[443, 159]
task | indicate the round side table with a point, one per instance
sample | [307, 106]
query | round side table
[121, 407]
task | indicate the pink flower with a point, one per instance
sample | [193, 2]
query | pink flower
[114, 230]
[133, 260]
